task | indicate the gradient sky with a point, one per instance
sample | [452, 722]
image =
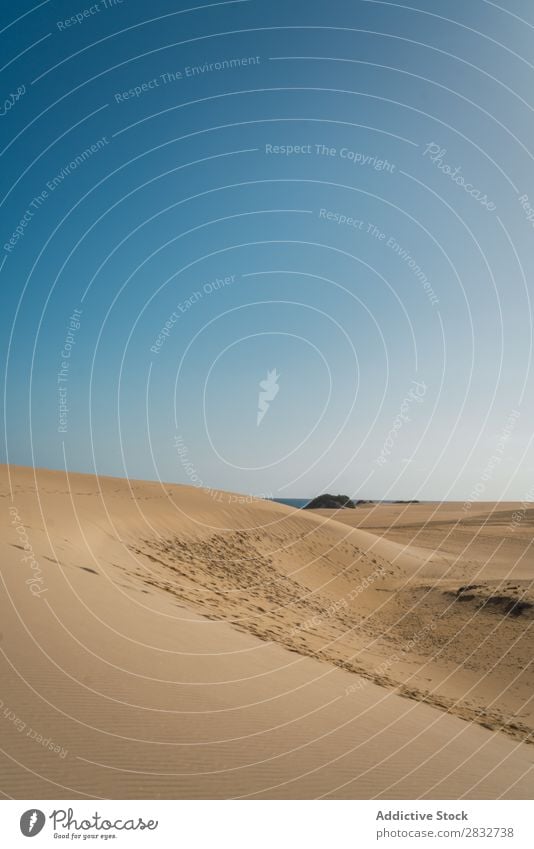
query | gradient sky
[182, 192]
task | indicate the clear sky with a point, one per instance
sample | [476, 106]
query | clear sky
[335, 200]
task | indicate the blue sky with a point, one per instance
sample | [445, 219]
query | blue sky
[336, 191]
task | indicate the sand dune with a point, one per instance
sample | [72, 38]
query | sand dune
[172, 642]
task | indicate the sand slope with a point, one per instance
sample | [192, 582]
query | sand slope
[177, 643]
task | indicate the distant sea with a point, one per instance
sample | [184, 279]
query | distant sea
[292, 502]
[301, 502]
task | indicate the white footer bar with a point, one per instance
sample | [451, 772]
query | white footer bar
[267, 824]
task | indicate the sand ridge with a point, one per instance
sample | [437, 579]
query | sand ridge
[186, 635]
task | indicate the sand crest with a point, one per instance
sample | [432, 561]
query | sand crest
[163, 641]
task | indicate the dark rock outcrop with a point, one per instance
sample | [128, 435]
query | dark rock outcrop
[330, 502]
